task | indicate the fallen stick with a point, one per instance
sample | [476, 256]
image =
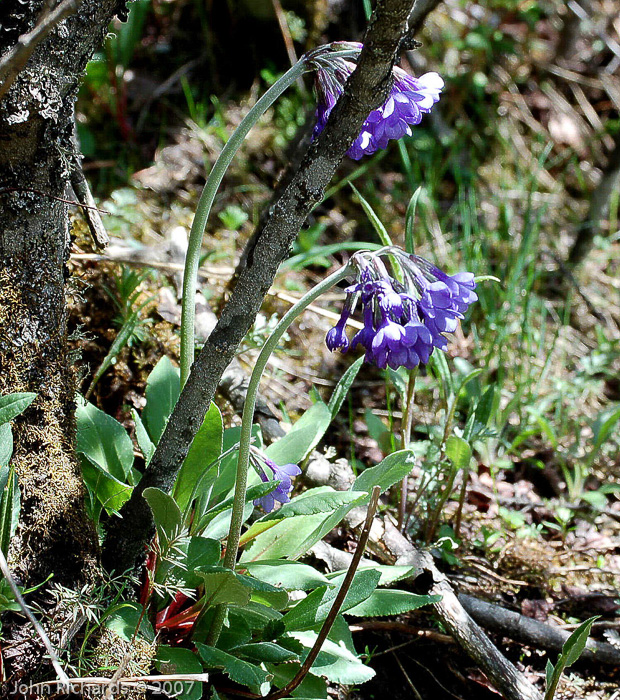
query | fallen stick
[532, 632]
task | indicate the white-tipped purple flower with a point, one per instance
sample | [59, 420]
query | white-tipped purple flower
[282, 474]
[404, 321]
[408, 100]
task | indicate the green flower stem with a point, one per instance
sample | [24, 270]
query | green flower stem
[236, 523]
[192, 259]
[405, 439]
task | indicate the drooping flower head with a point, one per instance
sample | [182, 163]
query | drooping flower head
[405, 317]
[408, 100]
[268, 470]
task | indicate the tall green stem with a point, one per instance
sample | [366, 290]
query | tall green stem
[192, 259]
[236, 522]
[405, 439]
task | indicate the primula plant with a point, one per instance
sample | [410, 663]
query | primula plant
[182, 552]
[243, 616]
[263, 617]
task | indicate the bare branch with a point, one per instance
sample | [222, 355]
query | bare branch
[14, 60]
[533, 632]
[81, 188]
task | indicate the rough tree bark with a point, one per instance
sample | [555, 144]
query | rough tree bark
[54, 535]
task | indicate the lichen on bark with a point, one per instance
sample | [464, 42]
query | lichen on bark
[54, 535]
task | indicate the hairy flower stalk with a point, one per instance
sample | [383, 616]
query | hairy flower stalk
[403, 321]
[324, 54]
[408, 100]
[245, 440]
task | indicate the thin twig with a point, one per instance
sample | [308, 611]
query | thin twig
[51, 196]
[409, 681]
[337, 604]
[86, 199]
[401, 628]
[16, 58]
[288, 39]
[64, 679]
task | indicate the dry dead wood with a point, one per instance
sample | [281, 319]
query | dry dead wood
[532, 632]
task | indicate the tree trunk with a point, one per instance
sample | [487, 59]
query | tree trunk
[54, 535]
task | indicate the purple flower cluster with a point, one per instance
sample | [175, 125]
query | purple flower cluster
[408, 100]
[282, 474]
[404, 321]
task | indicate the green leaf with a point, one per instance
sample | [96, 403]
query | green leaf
[104, 488]
[144, 441]
[439, 366]
[104, 441]
[458, 452]
[335, 662]
[571, 650]
[549, 669]
[200, 464]
[398, 380]
[166, 513]
[235, 633]
[470, 374]
[123, 618]
[253, 493]
[303, 436]
[293, 537]
[313, 609]
[162, 393]
[382, 603]
[9, 507]
[266, 652]
[172, 660]
[378, 430]
[6, 444]
[342, 388]
[410, 220]
[311, 688]
[573, 647]
[387, 473]
[596, 499]
[265, 593]
[376, 222]
[311, 502]
[223, 587]
[257, 616]
[202, 552]
[290, 575]
[486, 405]
[389, 574]
[12, 405]
[227, 473]
[603, 425]
[325, 525]
[237, 670]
